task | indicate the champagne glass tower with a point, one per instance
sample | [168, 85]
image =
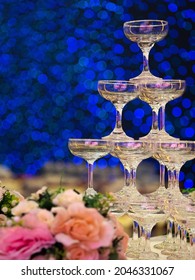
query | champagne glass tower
[166, 149]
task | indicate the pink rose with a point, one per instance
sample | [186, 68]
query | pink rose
[80, 224]
[44, 257]
[19, 243]
[78, 252]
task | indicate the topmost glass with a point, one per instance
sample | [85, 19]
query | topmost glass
[146, 31]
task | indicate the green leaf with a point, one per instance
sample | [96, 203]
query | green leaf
[7, 202]
[99, 201]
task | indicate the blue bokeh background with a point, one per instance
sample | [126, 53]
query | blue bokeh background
[52, 54]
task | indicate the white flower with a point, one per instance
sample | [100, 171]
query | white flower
[4, 209]
[66, 198]
[38, 193]
[23, 207]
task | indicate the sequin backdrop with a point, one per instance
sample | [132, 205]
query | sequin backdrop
[52, 54]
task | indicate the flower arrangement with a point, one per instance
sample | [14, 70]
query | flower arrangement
[60, 224]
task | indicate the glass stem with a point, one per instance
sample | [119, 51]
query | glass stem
[177, 179]
[133, 172]
[162, 118]
[90, 175]
[118, 126]
[154, 120]
[192, 246]
[177, 237]
[170, 229]
[127, 177]
[182, 242]
[145, 51]
[171, 179]
[162, 175]
[135, 230]
[147, 235]
[127, 173]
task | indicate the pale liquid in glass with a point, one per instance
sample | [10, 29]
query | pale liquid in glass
[117, 97]
[89, 152]
[146, 38]
[157, 96]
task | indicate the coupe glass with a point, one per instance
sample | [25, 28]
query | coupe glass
[131, 153]
[174, 155]
[90, 150]
[119, 93]
[147, 214]
[157, 94]
[159, 195]
[145, 33]
[181, 252]
[191, 230]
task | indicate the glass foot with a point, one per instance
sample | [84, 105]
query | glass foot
[132, 255]
[159, 135]
[145, 75]
[179, 256]
[170, 251]
[163, 245]
[148, 256]
[135, 247]
[117, 137]
[90, 191]
[124, 193]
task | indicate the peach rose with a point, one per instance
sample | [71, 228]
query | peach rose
[78, 252]
[84, 225]
[66, 198]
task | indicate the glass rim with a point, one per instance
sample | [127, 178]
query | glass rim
[158, 21]
[112, 82]
[88, 140]
[164, 141]
[155, 81]
[131, 141]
